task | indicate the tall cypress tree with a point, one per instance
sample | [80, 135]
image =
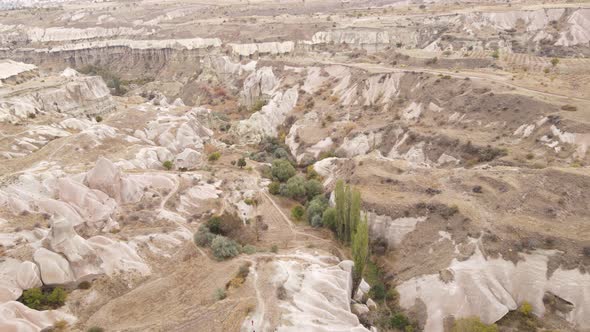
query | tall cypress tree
[347, 200]
[340, 209]
[355, 211]
[360, 250]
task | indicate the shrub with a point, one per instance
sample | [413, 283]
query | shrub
[274, 248]
[203, 237]
[224, 248]
[554, 61]
[281, 293]
[214, 225]
[297, 212]
[295, 188]
[313, 188]
[244, 270]
[526, 308]
[249, 249]
[84, 285]
[586, 251]
[326, 154]
[378, 292]
[98, 118]
[95, 329]
[496, 54]
[220, 294]
[214, 156]
[569, 108]
[316, 221]
[310, 173]
[280, 153]
[37, 299]
[274, 188]
[282, 170]
[398, 321]
[33, 298]
[167, 164]
[60, 325]
[57, 297]
[472, 324]
[258, 105]
[241, 162]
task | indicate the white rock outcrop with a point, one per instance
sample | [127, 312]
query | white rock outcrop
[490, 287]
[55, 269]
[9, 68]
[78, 96]
[352, 36]
[320, 291]
[16, 276]
[16, 317]
[264, 122]
[263, 48]
[258, 84]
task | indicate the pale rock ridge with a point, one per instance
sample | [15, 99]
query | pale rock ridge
[360, 144]
[263, 48]
[16, 276]
[106, 177]
[533, 19]
[174, 138]
[55, 269]
[60, 34]
[380, 89]
[139, 44]
[578, 31]
[77, 97]
[258, 84]
[581, 141]
[320, 291]
[64, 240]
[16, 317]
[490, 287]
[349, 36]
[264, 122]
[391, 230]
[9, 68]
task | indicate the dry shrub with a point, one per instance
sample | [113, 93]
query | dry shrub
[209, 148]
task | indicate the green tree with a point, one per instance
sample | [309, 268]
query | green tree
[472, 324]
[313, 188]
[329, 218]
[295, 188]
[168, 164]
[340, 209]
[57, 297]
[315, 208]
[214, 156]
[241, 162]
[274, 188]
[214, 225]
[33, 298]
[347, 230]
[355, 211]
[360, 250]
[224, 248]
[297, 212]
[282, 170]
[399, 321]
